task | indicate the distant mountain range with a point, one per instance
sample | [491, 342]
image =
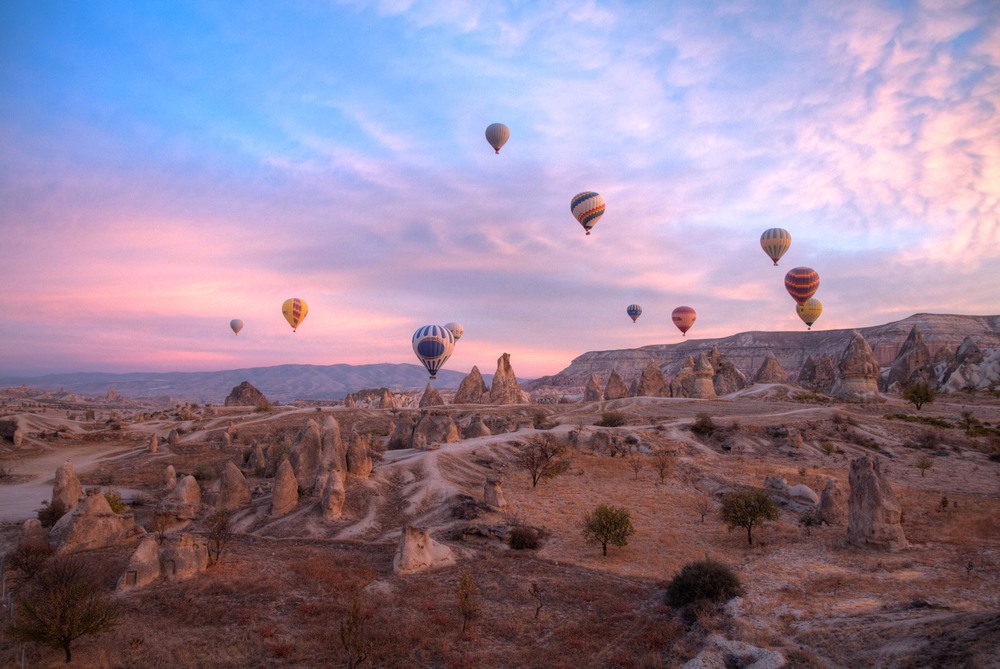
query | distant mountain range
[281, 383]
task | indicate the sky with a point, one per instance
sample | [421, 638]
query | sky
[166, 167]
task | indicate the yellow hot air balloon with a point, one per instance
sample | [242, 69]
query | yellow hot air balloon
[775, 241]
[294, 311]
[810, 311]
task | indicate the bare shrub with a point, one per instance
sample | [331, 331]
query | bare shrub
[543, 457]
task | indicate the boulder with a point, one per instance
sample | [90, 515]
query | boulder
[417, 552]
[234, 491]
[797, 498]
[67, 489]
[615, 388]
[431, 429]
[143, 566]
[169, 477]
[305, 456]
[505, 388]
[873, 513]
[402, 434]
[92, 524]
[359, 459]
[181, 505]
[154, 444]
[285, 492]
[913, 363]
[17, 437]
[831, 504]
[245, 395]
[721, 653]
[174, 438]
[770, 371]
[431, 398]
[493, 494]
[859, 372]
[472, 389]
[476, 428]
[593, 392]
[650, 383]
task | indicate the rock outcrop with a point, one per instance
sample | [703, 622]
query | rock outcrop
[971, 369]
[615, 388]
[858, 373]
[417, 551]
[175, 559]
[831, 504]
[359, 459]
[913, 363]
[476, 428]
[333, 454]
[819, 376]
[305, 456]
[92, 524]
[505, 388]
[402, 434]
[873, 518]
[285, 492]
[169, 477]
[726, 376]
[154, 444]
[472, 389]
[796, 497]
[431, 398]
[245, 395]
[434, 429]
[770, 371]
[174, 438]
[703, 387]
[67, 489]
[333, 495]
[234, 491]
[593, 392]
[650, 383]
[493, 494]
[181, 505]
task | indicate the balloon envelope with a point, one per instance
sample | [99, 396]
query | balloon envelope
[802, 283]
[587, 208]
[294, 310]
[433, 345]
[456, 329]
[684, 318]
[810, 311]
[775, 241]
[634, 311]
[497, 135]
[236, 324]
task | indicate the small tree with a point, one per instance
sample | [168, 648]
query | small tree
[703, 505]
[923, 464]
[703, 580]
[543, 457]
[635, 464]
[218, 535]
[747, 508]
[62, 603]
[663, 464]
[608, 525]
[354, 635]
[468, 603]
[919, 394]
[538, 593]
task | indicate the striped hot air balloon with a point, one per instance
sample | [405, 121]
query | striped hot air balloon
[634, 311]
[684, 318]
[294, 310]
[497, 135]
[433, 345]
[809, 312]
[587, 207]
[775, 241]
[802, 283]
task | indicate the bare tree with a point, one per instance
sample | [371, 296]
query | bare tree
[468, 602]
[636, 464]
[703, 505]
[663, 464]
[543, 457]
[354, 635]
[218, 535]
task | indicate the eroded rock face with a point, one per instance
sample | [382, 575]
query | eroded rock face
[615, 388]
[819, 376]
[91, 525]
[174, 438]
[972, 369]
[476, 428]
[333, 454]
[650, 383]
[493, 494]
[873, 513]
[67, 489]
[154, 444]
[703, 387]
[388, 401]
[593, 392]
[417, 551]
[177, 558]
[797, 497]
[505, 389]
[245, 395]
[169, 477]
[181, 505]
[858, 373]
[402, 434]
[913, 363]
[305, 456]
[359, 459]
[831, 504]
[434, 429]
[431, 398]
[472, 389]
[234, 491]
[285, 493]
[726, 377]
[332, 498]
[770, 371]
[682, 384]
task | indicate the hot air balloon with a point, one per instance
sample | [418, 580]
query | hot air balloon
[587, 207]
[684, 318]
[456, 329]
[497, 135]
[775, 241]
[802, 283]
[433, 345]
[810, 311]
[294, 310]
[634, 311]
[236, 324]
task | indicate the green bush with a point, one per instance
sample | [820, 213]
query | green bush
[523, 538]
[703, 580]
[612, 419]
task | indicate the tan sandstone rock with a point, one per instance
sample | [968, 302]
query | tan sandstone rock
[873, 513]
[91, 525]
[472, 389]
[285, 493]
[505, 388]
[67, 489]
[417, 551]
[859, 372]
[493, 494]
[181, 505]
[305, 456]
[615, 388]
[593, 391]
[234, 491]
[650, 383]
[770, 371]
[431, 398]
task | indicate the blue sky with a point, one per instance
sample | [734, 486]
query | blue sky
[168, 166]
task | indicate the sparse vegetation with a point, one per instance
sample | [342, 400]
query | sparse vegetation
[29, 557]
[663, 463]
[51, 512]
[918, 394]
[543, 457]
[218, 535]
[923, 464]
[612, 419]
[748, 508]
[703, 580]
[636, 464]
[468, 599]
[703, 425]
[608, 525]
[523, 538]
[354, 637]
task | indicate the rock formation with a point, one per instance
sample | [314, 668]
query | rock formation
[91, 525]
[245, 395]
[873, 518]
[402, 434]
[505, 388]
[285, 492]
[650, 383]
[492, 493]
[333, 454]
[858, 373]
[234, 491]
[593, 392]
[431, 429]
[332, 498]
[387, 401]
[154, 444]
[472, 389]
[67, 489]
[257, 459]
[972, 369]
[818, 376]
[174, 438]
[682, 385]
[726, 377]
[798, 497]
[181, 505]
[913, 363]
[477, 428]
[417, 552]
[703, 387]
[177, 558]
[305, 456]
[615, 388]
[359, 459]
[169, 477]
[770, 371]
[431, 398]
[831, 504]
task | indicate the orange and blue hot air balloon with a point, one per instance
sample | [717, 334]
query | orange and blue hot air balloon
[802, 283]
[684, 318]
[433, 345]
[634, 311]
[587, 208]
[775, 241]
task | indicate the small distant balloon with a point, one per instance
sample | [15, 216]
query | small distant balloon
[236, 324]
[587, 208]
[294, 309]
[809, 312]
[497, 135]
[633, 311]
[802, 283]
[456, 329]
[775, 241]
[433, 345]
[684, 318]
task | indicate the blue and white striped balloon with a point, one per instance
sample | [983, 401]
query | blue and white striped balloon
[433, 345]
